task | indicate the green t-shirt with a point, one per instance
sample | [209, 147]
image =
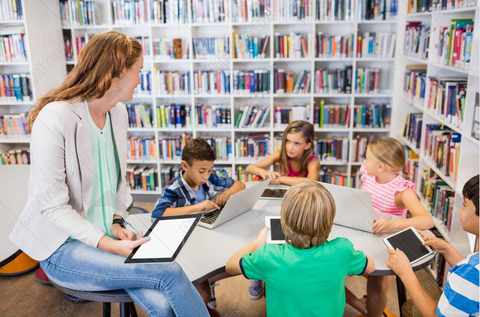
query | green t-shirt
[308, 282]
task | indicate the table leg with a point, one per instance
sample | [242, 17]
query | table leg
[401, 293]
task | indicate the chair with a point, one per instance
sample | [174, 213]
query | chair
[127, 307]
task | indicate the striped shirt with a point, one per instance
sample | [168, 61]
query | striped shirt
[460, 297]
[383, 195]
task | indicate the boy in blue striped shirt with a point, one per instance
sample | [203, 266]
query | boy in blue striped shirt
[460, 297]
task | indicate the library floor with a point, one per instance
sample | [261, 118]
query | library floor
[24, 296]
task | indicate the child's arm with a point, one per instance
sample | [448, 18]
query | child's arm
[421, 219]
[313, 169]
[260, 168]
[233, 264]
[442, 247]
[221, 199]
[202, 206]
[400, 264]
[370, 266]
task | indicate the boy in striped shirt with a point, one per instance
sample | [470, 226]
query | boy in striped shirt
[460, 297]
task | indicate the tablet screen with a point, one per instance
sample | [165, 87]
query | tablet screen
[409, 243]
[276, 229]
[274, 193]
[166, 237]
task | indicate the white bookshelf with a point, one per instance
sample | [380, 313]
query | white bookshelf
[187, 31]
[469, 151]
[45, 58]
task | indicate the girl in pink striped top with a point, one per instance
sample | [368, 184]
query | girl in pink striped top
[391, 194]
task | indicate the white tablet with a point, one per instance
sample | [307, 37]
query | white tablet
[275, 235]
[167, 237]
[410, 242]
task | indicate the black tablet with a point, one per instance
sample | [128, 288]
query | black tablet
[168, 235]
[274, 193]
[276, 234]
[410, 242]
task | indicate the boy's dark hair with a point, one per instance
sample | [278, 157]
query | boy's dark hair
[198, 150]
[470, 191]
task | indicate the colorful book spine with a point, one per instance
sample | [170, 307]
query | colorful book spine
[334, 10]
[170, 148]
[68, 48]
[140, 115]
[80, 43]
[412, 130]
[12, 46]
[294, 45]
[131, 12]
[246, 46]
[210, 11]
[333, 46]
[145, 42]
[145, 87]
[377, 10]
[211, 47]
[16, 156]
[15, 87]
[331, 115]
[336, 178]
[11, 10]
[287, 83]
[358, 147]
[169, 12]
[333, 81]
[78, 12]
[415, 83]
[283, 115]
[222, 146]
[250, 11]
[211, 82]
[251, 82]
[376, 44]
[141, 148]
[412, 164]
[253, 146]
[172, 82]
[367, 80]
[417, 39]
[372, 116]
[173, 116]
[293, 10]
[252, 116]
[242, 176]
[214, 116]
[14, 126]
[143, 178]
[332, 150]
[167, 49]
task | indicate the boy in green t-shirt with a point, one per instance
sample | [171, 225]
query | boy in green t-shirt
[306, 275]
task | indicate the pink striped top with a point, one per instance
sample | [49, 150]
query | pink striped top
[383, 195]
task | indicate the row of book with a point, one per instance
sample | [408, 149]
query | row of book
[13, 126]
[15, 87]
[246, 46]
[253, 146]
[331, 115]
[358, 147]
[372, 116]
[284, 115]
[412, 129]
[170, 148]
[11, 10]
[145, 87]
[174, 116]
[452, 45]
[222, 146]
[333, 81]
[442, 147]
[367, 80]
[251, 116]
[141, 148]
[293, 45]
[78, 13]
[251, 81]
[12, 45]
[446, 97]
[418, 6]
[142, 177]
[377, 10]
[168, 12]
[16, 156]
[210, 11]
[172, 82]
[140, 116]
[330, 46]
[417, 40]
[376, 44]
[336, 178]
[332, 150]
[334, 10]
[167, 48]
[211, 82]
[129, 12]
[211, 47]
[285, 83]
[415, 82]
[439, 197]
[214, 116]
[412, 164]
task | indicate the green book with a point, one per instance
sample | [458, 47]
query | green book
[320, 120]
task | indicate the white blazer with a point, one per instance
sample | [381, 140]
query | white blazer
[61, 179]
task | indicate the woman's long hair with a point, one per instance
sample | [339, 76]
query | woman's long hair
[104, 58]
[306, 130]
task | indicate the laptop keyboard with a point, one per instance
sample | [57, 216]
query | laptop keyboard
[211, 217]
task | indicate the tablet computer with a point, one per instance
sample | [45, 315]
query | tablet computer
[275, 235]
[410, 242]
[273, 193]
[168, 235]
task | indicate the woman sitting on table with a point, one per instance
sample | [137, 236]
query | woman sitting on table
[73, 222]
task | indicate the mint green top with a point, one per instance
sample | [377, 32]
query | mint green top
[106, 168]
[308, 282]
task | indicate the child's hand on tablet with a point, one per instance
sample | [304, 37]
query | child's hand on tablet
[399, 263]
[437, 245]
[262, 237]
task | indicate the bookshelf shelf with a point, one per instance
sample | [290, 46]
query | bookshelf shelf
[441, 228]
[413, 104]
[14, 63]
[441, 175]
[334, 59]
[251, 60]
[141, 129]
[169, 61]
[356, 163]
[442, 120]
[374, 59]
[141, 162]
[318, 129]
[416, 60]
[144, 192]
[176, 130]
[213, 130]
[294, 22]
[11, 22]
[410, 144]
[14, 141]
[450, 68]
[334, 22]
[240, 130]
[372, 130]
[251, 96]
[378, 22]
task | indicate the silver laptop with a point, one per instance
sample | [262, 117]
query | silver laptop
[236, 205]
[353, 207]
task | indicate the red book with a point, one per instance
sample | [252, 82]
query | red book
[281, 46]
[219, 81]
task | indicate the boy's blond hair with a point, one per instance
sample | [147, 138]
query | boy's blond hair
[307, 214]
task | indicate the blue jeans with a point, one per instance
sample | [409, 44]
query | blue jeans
[161, 289]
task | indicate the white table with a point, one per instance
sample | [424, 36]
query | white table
[206, 252]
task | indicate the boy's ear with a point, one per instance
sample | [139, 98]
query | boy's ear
[184, 165]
